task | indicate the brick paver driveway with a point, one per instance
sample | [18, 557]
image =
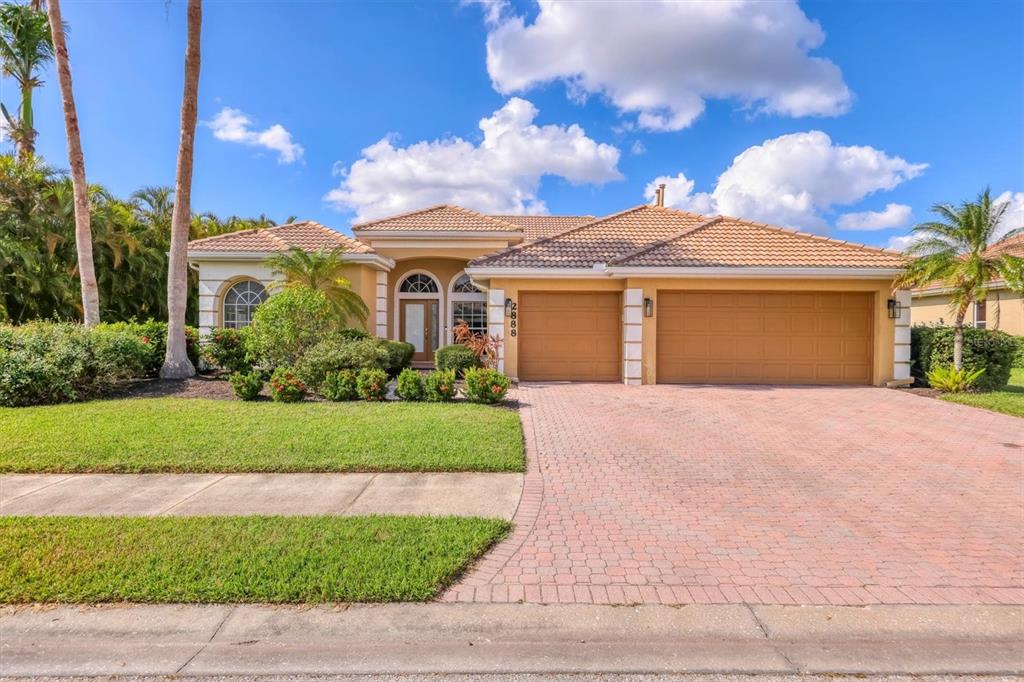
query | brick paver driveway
[679, 494]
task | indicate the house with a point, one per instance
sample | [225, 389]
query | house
[647, 295]
[1003, 309]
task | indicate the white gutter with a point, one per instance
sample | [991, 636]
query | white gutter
[372, 259]
[994, 285]
[602, 270]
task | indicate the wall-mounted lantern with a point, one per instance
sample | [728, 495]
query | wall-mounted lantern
[648, 307]
[508, 307]
[895, 308]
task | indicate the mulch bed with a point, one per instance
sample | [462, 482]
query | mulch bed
[202, 386]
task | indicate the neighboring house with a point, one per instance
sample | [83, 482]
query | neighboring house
[648, 295]
[1003, 309]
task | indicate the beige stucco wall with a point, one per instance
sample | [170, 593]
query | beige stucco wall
[443, 269]
[216, 277]
[1004, 310]
[884, 328]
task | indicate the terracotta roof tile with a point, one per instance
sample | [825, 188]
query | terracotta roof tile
[652, 236]
[307, 235]
[1013, 246]
[539, 226]
[443, 218]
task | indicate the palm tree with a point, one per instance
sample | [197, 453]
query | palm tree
[320, 270]
[25, 47]
[176, 363]
[956, 252]
[83, 227]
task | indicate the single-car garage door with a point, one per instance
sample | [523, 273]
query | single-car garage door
[569, 336]
[764, 337]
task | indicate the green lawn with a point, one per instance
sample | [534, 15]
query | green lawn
[1009, 400]
[262, 559]
[196, 435]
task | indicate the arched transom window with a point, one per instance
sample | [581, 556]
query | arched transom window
[464, 285]
[419, 284]
[241, 301]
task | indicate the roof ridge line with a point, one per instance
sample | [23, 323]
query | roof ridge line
[661, 242]
[498, 221]
[811, 235]
[544, 240]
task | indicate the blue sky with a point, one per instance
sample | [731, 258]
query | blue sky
[921, 102]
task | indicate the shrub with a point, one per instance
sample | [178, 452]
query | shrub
[399, 355]
[410, 385]
[340, 386]
[285, 387]
[153, 334]
[949, 379]
[486, 385]
[335, 354]
[457, 357]
[43, 363]
[439, 386]
[225, 348]
[1018, 358]
[354, 334]
[372, 384]
[986, 349]
[246, 386]
[288, 324]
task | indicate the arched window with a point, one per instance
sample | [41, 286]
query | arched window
[241, 301]
[468, 304]
[464, 285]
[419, 284]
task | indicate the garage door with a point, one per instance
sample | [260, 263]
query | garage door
[569, 336]
[764, 337]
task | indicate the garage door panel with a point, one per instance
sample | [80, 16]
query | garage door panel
[765, 337]
[570, 336]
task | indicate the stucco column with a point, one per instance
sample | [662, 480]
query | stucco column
[901, 342]
[632, 336]
[496, 321]
[381, 308]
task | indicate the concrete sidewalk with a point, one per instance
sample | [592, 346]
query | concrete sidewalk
[493, 638]
[460, 494]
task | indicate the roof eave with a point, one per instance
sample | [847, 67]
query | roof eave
[372, 259]
[601, 270]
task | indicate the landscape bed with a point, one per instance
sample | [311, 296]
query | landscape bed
[178, 435]
[251, 559]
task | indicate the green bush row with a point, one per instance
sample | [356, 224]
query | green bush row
[43, 363]
[988, 349]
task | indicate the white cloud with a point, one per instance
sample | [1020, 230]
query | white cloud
[231, 125]
[894, 215]
[793, 179]
[662, 60]
[679, 194]
[901, 242]
[637, 148]
[4, 130]
[1014, 216]
[500, 175]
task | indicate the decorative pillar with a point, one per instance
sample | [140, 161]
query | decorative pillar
[632, 336]
[382, 305]
[901, 342]
[207, 304]
[496, 321]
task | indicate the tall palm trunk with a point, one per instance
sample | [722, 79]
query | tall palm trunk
[176, 362]
[83, 228]
[958, 335]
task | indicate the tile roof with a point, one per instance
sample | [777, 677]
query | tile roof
[539, 226]
[651, 236]
[1013, 246]
[443, 218]
[307, 235]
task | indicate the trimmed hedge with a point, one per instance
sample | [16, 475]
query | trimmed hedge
[992, 350]
[1018, 358]
[332, 355]
[154, 334]
[399, 355]
[456, 357]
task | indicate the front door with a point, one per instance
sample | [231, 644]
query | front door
[419, 326]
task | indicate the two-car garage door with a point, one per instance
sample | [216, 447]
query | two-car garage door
[764, 337]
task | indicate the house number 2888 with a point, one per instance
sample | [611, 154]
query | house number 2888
[513, 318]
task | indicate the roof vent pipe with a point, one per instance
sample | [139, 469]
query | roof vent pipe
[661, 194]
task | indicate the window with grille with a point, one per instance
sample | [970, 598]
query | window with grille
[473, 313]
[464, 285]
[419, 284]
[241, 301]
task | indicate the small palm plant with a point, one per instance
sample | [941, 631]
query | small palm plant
[956, 252]
[320, 271]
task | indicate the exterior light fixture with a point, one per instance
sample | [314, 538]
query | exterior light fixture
[648, 307]
[508, 307]
[895, 308]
